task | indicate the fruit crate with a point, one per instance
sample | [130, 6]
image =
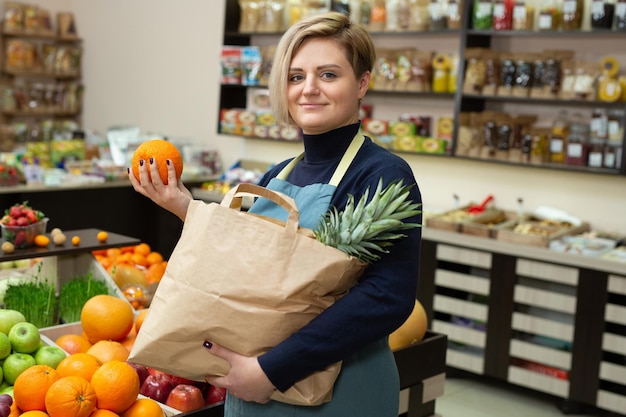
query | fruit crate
[488, 224]
[424, 379]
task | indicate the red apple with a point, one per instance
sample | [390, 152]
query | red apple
[181, 380]
[215, 395]
[185, 397]
[141, 370]
[157, 386]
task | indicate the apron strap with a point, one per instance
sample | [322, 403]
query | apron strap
[341, 169]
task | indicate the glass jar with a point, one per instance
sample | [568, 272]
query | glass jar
[454, 14]
[523, 16]
[437, 17]
[572, 14]
[577, 143]
[558, 137]
[602, 12]
[503, 14]
[599, 124]
[549, 15]
[595, 159]
[482, 16]
[419, 15]
[620, 15]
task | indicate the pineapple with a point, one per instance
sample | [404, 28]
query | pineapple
[367, 228]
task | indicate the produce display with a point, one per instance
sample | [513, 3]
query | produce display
[88, 370]
[21, 224]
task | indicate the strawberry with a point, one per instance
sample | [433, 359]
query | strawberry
[31, 216]
[20, 239]
[22, 221]
[15, 212]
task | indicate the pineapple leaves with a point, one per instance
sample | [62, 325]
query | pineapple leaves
[365, 229]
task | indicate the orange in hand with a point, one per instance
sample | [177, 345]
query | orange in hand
[160, 150]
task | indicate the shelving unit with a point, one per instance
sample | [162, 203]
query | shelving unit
[549, 321]
[388, 102]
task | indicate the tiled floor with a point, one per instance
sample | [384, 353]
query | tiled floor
[469, 396]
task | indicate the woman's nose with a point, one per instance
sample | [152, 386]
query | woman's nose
[310, 87]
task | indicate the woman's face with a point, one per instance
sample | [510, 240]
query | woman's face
[323, 92]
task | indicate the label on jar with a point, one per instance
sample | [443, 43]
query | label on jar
[545, 21]
[453, 9]
[556, 145]
[519, 12]
[574, 150]
[569, 6]
[609, 159]
[595, 159]
[620, 10]
[597, 8]
[499, 10]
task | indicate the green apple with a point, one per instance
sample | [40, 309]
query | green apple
[15, 364]
[22, 263]
[49, 355]
[24, 337]
[5, 346]
[7, 390]
[8, 318]
[7, 264]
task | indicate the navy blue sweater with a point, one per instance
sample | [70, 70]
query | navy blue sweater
[385, 294]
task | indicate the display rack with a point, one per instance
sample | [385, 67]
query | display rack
[548, 321]
[235, 96]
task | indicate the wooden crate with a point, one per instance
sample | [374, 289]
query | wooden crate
[540, 233]
[488, 223]
[450, 220]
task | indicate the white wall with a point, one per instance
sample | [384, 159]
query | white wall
[155, 63]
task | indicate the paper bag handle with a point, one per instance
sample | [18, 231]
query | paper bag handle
[233, 199]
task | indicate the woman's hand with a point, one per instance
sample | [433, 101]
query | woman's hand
[245, 379]
[173, 196]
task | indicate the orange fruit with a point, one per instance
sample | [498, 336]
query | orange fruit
[106, 317]
[117, 386]
[42, 240]
[154, 258]
[129, 342]
[71, 396]
[139, 259]
[139, 319]
[75, 240]
[160, 150]
[144, 407]
[104, 413]
[15, 412]
[30, 387]
[102, 236]
[142, 249]
[33, 413]
[109, 350]
[79, 364]
[73, 343]
[155, 272]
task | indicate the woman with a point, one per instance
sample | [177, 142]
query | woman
[320, 75]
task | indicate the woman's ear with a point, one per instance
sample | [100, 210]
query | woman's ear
[364, 83]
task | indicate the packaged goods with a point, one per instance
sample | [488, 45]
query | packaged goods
[523, 16]
[549, 16]
[572, 14]
[455, 8]
[503, 14]
[438, 19]
[602, 12]
[482, 16]
[620, 15]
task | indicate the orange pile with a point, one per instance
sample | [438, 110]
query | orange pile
[106, 317]
[160, 150]
[138, 260]
[111, 390]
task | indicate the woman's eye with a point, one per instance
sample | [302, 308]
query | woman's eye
[328, 76]
[295, 78]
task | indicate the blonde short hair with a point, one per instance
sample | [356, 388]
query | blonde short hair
[354, 39]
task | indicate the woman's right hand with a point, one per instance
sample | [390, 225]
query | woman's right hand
[173, 196]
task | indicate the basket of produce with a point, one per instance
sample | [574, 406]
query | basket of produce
[21, 224]
[488, 223]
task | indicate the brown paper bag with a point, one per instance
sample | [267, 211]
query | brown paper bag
[245, 282]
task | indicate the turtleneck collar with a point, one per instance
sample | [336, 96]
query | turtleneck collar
[329, 145]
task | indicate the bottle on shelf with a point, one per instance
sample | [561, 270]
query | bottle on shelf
[558, 137]
[482, 15]
[454, 11]
[503, 14]
[577, 142]
[549, 15]
[572, 14]
[523, 15]
[620, 15]
[602, 12]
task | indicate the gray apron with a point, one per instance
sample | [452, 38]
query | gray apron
[368, 384]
